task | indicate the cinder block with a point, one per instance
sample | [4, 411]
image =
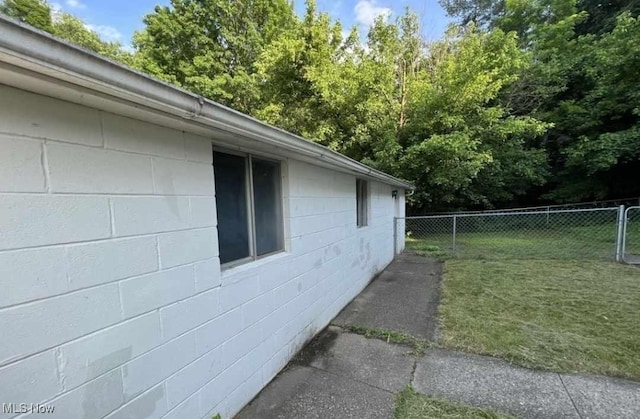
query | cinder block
[307, 261]
[216, 390]
[126, 134]
[37, 220]
[32, 274]
[189, 408]
[51, 322]
[150, 405]
[246, 391]
[288, 291]
[93, 355]
[105, 261]
[241, 344]
[238, 293]
[191, 378]
[208, 274]
[21, 167]
[203, 212]
[302, 226]
[182, 247]
[147, 215]
[187, 314]
[94, 399]
[179, 177]
[275, 273]
[151, 368]
[257, 309]
[198, 149]
[79, 169]
[31, 380]
[276, 320]
[304, 207]
[212, 334]
[150, 292]
[39, 116]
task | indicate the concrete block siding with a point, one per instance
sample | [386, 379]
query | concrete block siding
[113, 302]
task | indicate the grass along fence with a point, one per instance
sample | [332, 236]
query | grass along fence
[593, 234]
[539, 288]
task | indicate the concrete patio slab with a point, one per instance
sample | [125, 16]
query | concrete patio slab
[371, 361]
[403, 298]
[305, 392]
[601, 397]
[487, 382]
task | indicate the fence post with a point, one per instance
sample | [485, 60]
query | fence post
[548, 213]
[395, 236]
[620, 234]
[453, 244]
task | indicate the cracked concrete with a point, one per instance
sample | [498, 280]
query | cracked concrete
[344, 375]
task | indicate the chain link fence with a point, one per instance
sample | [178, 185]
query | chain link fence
[631, 236]
[594, 233]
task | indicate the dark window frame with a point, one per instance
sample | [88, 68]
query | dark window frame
[362, 203]
[250, 203]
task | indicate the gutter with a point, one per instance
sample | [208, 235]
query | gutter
[39, 52]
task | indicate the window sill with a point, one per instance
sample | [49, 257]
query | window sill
[253, 264]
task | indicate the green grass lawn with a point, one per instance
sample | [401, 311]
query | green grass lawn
[581, 242]
[567, 235]
[412, 405]
[560, 315]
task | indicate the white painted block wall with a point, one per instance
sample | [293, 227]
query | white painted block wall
[113, 302]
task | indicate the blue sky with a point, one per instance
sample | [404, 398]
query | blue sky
[116, 20]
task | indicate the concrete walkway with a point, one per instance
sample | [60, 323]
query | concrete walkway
[404, 298]
[344, 375]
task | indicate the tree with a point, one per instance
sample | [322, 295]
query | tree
[211, 46]
[36, 13]
[72, 29]
[598, 124]
[463, 148]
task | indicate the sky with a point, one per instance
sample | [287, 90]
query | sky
[117, 20]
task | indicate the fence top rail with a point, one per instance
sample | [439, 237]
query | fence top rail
[512, 213]
[575, 205]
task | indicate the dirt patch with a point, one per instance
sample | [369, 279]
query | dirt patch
[318, 347]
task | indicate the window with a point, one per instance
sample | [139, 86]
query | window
[362, 202]
[249, 205]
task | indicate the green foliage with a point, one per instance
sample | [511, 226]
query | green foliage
[36, 13]
[72, 29]
[211, 46]
[461, 145]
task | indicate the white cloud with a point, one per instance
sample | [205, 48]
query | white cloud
[106, 32]
[75, 4]
[367, 11]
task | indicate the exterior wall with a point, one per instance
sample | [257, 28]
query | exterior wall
[113, 302]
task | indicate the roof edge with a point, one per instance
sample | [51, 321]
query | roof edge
[37, 51]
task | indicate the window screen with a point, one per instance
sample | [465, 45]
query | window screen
[249, 203]
[362, 204]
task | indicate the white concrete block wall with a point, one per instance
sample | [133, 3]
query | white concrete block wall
[114, 304]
